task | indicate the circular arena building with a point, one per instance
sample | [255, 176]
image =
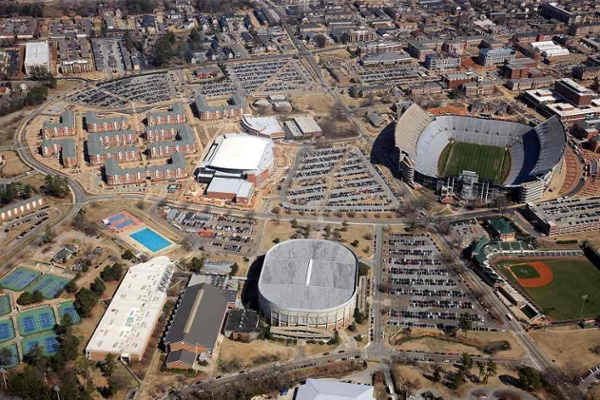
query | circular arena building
[309, 282]
[477, 157]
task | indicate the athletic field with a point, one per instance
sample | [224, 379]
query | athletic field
[561, 298]
[525, 271]
[490, 162]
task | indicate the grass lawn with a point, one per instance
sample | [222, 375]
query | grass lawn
[525, 271]
[490, 162]
[561, 299]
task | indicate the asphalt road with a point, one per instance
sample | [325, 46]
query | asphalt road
[376, 351]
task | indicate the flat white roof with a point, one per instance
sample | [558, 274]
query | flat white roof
[242, 152]
[37, 53]
[224, 185]
[307, 124]
[129, 319]
[265, 126]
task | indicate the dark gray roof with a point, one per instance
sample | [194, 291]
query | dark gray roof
[184, 135]
[91, 117]
[11, 206]
[67, 146]
[236, 101]
[67, 118]
[112, 166]
[95, 147]
[176, 109]
[199, 317]
[244, 321]
[183, 356]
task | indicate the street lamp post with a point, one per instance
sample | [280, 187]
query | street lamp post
[3, 372]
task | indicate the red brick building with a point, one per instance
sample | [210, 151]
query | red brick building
[177, 115]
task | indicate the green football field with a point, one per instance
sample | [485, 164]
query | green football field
[562, 298]
[490, 162]
[525, 271]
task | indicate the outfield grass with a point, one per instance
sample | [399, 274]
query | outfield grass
[525, 271]
[490, 162]
[561, 299]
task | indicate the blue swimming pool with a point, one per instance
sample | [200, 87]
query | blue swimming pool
[150, 239]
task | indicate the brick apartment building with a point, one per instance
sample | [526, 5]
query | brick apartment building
[177, 115]
[66, 148]
[98, 153]
[168, 139]
[95, 124]
[21, 208]
[175, 169]
[236, 107]
[65, 127]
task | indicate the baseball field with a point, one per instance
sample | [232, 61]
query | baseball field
[557, 286]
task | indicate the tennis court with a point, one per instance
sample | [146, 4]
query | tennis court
[14, 360]
[49, 285]
[48, 343]
[19, 279]
[120, 221]
[7, 330]
[67, 308]
[4, 305]
[36, 321]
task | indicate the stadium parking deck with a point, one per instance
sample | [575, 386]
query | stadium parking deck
[565, 216]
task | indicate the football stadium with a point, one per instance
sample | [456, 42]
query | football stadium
[476, 157]
[310, 283]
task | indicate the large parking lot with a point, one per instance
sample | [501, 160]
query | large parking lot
[337, 179]
[217, 233]
[147, 89]
[269, 76]
[277, 75]
[423, 292]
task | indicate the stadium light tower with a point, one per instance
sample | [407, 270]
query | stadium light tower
[583, 298]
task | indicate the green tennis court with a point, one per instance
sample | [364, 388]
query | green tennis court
[49, 285]
[47, 342]
[7, 330]
[14, 360]
[36, 321]
[4, 305]
[19, 278]
[67, 308]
